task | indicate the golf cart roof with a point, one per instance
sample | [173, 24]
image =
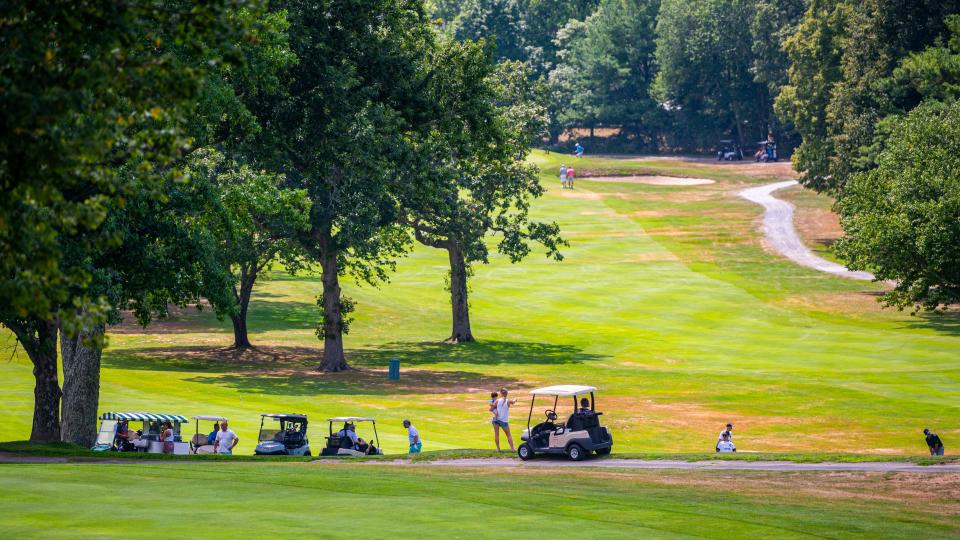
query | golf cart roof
[142, 416]
[281, 416]
[563, 390]
[209, 417]
[350, 419]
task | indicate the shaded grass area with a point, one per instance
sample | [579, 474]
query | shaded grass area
[191, 500]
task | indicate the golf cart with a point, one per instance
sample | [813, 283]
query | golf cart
[200, 443]
[116, 433]
[340, 444]
[729, 151]
[285, 435]
[577, 437]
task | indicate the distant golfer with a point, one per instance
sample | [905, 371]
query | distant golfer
[726, 445]
[934, 443]
[563, 176]
[226, 441]
[414, 437]
[728, 433]
[578, 150]
[571, 176]
[503, 419]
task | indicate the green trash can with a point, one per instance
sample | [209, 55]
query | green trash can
[394, 369]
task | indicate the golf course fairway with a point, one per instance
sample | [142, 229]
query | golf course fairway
[253, 500]
[666, 300]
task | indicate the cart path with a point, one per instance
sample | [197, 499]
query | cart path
[782, 235]
[711, 465]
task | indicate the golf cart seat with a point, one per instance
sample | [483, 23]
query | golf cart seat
[198, 440]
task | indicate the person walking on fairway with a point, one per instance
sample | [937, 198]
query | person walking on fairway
[578, 150]
[934, 443]
[414, 437]
[571, 176]
[563, 176]
[503, 419]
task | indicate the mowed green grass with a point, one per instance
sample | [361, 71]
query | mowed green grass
[666, 300]
[219, 500]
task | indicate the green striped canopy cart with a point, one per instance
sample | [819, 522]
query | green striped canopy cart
[119, 432]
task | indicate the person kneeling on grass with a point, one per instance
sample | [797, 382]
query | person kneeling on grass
[414, 436]
[725, 445]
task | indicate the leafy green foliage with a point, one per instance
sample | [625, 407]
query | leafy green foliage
[902, 218]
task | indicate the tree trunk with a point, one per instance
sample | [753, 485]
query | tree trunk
[39, 339]
[81, 386]
[458, 295]
[248, 277]
[333, 357]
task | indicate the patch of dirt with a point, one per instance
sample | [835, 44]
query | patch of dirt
[653, 180]
[180, 320]
[662, 256]
[837, 302]
[295, 368]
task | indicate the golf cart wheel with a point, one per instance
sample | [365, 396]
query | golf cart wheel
[576, 452]
[604, 451]
[525, 452]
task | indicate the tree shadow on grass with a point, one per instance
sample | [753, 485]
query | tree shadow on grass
[944, 322]
[291, 370]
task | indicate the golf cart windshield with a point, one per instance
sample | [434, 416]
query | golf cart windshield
[108, 430]
[271, 431]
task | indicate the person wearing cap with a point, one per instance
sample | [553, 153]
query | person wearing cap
[725, 445]
[728, 432]
[934, 443]
[414, 437]
[349, 431]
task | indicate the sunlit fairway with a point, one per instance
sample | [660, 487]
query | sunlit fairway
[666, 300]
[253, 500]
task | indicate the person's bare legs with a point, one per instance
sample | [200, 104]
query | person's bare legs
[509, 439]
[496, 436]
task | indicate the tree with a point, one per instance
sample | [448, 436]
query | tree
[501, 20]
[87, 86]
[609, 66]
[704, 52]
[257, 223]
[337, 128]
[860, 46]
[477, 182]
[901, 219]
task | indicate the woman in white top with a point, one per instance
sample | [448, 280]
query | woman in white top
[502, 421]
[167, 437]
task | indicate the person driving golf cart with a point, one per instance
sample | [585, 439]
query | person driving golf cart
[346, 442]
[290, 439]
[577, 437]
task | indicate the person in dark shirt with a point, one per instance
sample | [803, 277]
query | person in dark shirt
[934, 442]
[585, 407]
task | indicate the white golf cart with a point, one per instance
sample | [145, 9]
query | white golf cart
[200, 442]
[342, 444]
[284, 435]
[116, 432]
[577, 437]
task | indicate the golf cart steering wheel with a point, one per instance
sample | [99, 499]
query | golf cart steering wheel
[551, 416]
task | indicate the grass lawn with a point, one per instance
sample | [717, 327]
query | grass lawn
[666, 300]
[208, 500]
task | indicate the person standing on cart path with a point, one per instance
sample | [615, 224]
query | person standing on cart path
[563, 176]
[226, 441]
[934, 443]
[414, 437]
[503, 419]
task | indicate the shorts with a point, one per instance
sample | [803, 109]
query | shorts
[501, 423]
[415, 448]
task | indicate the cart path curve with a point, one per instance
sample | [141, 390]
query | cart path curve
[712, 465]
[782, 235]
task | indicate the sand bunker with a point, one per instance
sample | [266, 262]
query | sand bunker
[652, 180]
